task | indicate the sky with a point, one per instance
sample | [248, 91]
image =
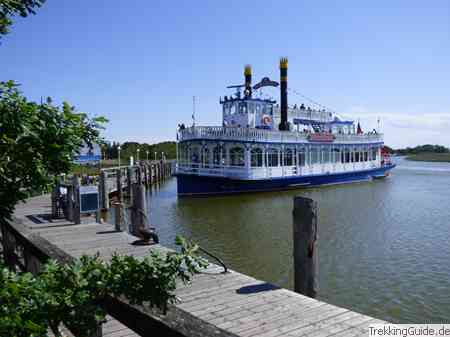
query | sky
[140, 62]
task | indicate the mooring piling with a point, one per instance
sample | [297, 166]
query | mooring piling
[138, 210]
[305, 251]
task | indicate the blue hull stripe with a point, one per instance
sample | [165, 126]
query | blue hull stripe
[194, 185]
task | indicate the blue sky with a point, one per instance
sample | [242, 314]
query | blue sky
[140, 62]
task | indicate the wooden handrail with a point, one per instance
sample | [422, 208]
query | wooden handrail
[142, 320]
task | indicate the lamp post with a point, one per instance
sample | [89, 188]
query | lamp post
[147, 154]
[118, 150]
[155, 155]
[162, 155]
[137, 154]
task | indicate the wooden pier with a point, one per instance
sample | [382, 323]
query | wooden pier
[215, 304]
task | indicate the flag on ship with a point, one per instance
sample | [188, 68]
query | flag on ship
[359, 130]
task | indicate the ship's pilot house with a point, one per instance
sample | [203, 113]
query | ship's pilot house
[242, 110]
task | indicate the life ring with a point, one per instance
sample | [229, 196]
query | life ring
[266, 120]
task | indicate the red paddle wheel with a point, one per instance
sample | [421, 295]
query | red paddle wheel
[385, 156]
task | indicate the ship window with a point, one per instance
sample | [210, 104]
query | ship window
[352, 155]
[315, 155]
[357, 155]
[195, 155]
[251, 108]
[182, 154]
[205, 159]
[336, 155]
[257, 157]
[242, 108]
[366, 156]
[237, 156]
[346, 155]
[326, 154]
[288, 157]
[272, 157]
[226, 109]
[231, 108]
[374, 153]
[258, 108]
[218, 153]
[301, 157]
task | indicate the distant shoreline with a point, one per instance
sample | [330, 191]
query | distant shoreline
[431, 157]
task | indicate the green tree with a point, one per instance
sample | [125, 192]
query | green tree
[73, 293]
[11, 8]
[37, 142]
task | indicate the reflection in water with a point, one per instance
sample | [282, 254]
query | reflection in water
[383, 246]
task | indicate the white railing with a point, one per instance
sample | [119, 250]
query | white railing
[353, 138]
[239, 172]
[313, 114]
[219, 133]
[266, 172]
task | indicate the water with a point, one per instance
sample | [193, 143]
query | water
[383, 246]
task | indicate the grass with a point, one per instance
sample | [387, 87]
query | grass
[428, 156]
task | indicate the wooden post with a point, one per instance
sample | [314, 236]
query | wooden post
[129, 182]
[102, 190]
[305, 252]
[104, 197]
[139, 210]
[70, 203]
[146, 174]
[139, 175]
[76, 198]
[32, 263]
[55, 198]
[98, 332]
[159, 171]
[119, 184]
[118, 216]
[151, 174]
[9, 244]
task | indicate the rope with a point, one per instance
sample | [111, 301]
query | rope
[225, 268]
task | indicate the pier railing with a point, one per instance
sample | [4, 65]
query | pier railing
[27, 251]
[114, 181]
[260, 135]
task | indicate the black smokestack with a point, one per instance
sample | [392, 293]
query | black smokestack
[248, 80]
[284, 125]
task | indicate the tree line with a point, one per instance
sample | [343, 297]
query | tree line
[428, 148]
[127, 149]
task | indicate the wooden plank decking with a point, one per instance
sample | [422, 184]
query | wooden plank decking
[237, 304]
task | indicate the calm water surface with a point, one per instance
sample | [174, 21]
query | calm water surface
[384, 246]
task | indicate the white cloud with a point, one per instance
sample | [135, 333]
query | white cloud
[402, 129]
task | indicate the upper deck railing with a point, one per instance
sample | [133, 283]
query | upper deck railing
[260, 135]
[312, 114]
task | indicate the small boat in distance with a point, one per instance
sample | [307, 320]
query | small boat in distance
[263, 146]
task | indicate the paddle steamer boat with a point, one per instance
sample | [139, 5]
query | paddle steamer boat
[263, 146]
